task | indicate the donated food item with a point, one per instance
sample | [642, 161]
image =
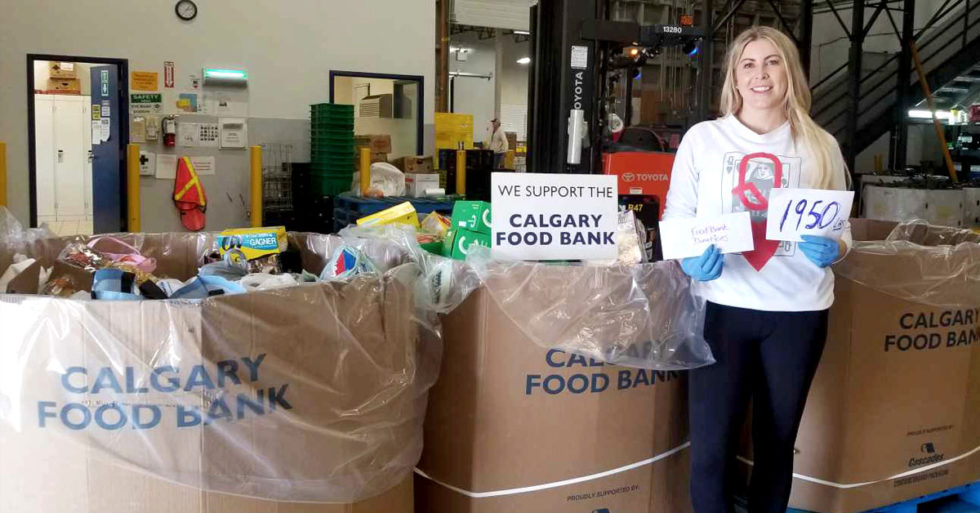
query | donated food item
[459, 240]
[403, 213]
[81, 256]
[629, 237]
[435, 224]
[124, 253]
[472, 215]
[260, 247]
[347, 262]
[62, 286]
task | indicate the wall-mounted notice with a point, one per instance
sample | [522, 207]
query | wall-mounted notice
[554, 216]
[203, 165]
[142, 104]
[166, 166]
[144, 81]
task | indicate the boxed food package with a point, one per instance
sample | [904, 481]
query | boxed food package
[64, 86]
[458, 241]
[512, 426]
[473, 216]
[377, 143]
[260, 247]
[418, 164]
[892, 413]
[61, 70]
[304, 399]
[417, 183]
[403, 213]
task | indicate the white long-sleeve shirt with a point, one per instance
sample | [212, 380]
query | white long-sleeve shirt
[776, 276]
[498, 141]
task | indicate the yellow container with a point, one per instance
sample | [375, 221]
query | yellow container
[403, 213]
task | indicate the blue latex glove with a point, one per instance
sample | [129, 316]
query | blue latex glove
[821, 250]
[706, 267]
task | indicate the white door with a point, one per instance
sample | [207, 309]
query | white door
[87, 150]
[44, 157]
[70, 158]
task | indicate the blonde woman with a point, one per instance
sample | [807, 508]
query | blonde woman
[767, 309]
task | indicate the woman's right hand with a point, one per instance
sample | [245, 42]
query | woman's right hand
[706, 267]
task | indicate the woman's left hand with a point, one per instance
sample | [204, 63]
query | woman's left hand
[822, 251]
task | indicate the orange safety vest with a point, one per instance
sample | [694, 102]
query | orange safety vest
[189, 196]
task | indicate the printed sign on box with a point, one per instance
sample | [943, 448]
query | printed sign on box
[683, 238]
[796, 212]
[554, 217]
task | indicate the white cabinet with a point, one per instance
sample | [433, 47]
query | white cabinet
[63, 133]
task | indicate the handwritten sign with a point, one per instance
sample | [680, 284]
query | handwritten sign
[797, 212]
[554, 217]
[683, 238]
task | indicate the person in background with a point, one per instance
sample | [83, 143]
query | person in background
[498, 143]
[767, 310]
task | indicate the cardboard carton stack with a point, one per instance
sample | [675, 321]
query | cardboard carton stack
[380, 146]
[63, 78]
[307, 399]
[512, 426]
[892, 414]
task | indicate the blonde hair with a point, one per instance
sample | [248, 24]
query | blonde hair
[820, 144]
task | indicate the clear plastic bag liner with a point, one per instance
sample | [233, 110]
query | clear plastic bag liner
[13, 233]
[920, 263]
[313, 393]
[643, 315]
[445, 282]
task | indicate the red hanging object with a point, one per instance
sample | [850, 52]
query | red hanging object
[189, 196]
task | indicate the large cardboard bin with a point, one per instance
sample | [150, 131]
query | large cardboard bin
[894, 411]
[306, 399]
[513, 426]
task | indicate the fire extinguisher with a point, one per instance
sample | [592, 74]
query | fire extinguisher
[170, 130]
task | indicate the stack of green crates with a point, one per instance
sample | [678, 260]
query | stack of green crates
[331, 147]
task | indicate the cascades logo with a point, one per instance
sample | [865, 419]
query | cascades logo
[931, 456]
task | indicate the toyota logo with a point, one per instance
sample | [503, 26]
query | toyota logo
[628, 177]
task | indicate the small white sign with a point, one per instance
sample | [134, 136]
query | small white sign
[148, 163]
[106, 129]
[683, 238]
[580, 57]
[96, 132]
[166, 166]
[554, 216]
[796, 212]
[203, 165]
[234, 133]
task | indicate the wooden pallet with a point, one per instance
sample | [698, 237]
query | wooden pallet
[962, 499]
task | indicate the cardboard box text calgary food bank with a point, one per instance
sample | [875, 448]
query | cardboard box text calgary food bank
[307, 399]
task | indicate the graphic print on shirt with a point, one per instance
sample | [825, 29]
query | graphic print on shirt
[746, 182]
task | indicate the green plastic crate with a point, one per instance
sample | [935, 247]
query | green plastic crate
[330, 186]
[332, 107]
